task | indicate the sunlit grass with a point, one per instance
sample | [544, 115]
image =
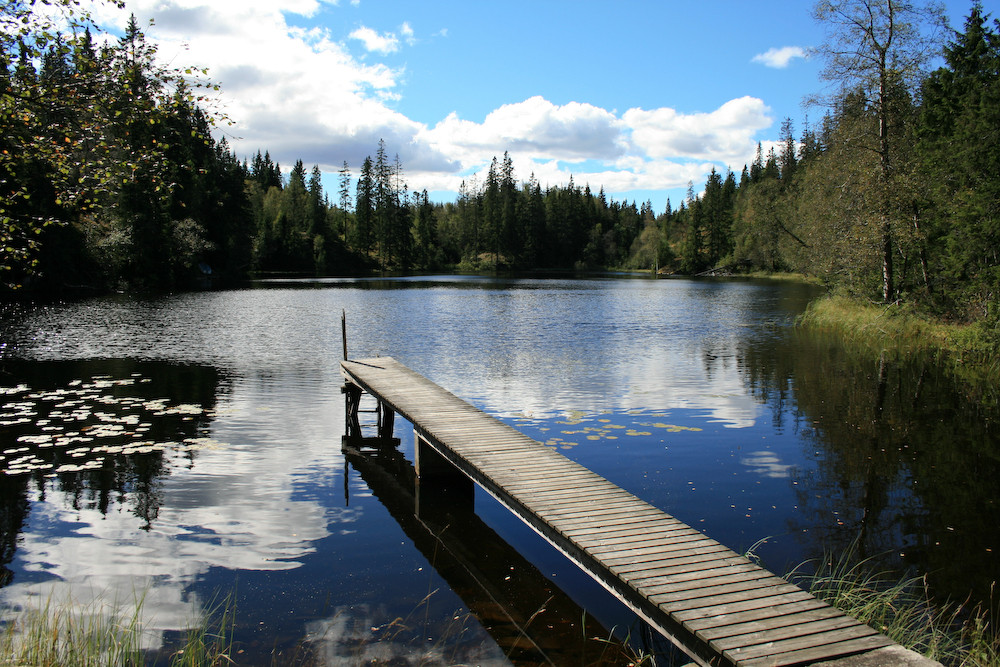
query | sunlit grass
[892, 326]
[900, 329]
[784, 277]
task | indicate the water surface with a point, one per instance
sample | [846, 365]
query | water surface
[187, 447]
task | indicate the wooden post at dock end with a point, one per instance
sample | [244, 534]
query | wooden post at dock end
[343, 330]
[438, 482]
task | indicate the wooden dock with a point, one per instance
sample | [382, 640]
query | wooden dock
[716, 605]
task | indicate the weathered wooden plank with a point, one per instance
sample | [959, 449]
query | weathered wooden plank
[702, 622]
[723, 609]
[610, 545]
[775, 622]
[660, 559]
[704, 580]
[584, 507]
[783, 632]
[573, 487]
[742, 592]
[818, 648]
[662, 525]
[703, 584]
[550, 489]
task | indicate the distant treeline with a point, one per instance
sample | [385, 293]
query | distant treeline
[111, 179]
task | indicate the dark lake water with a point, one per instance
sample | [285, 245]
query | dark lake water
[187, 448]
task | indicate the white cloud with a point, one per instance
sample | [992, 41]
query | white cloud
[724, 135]
[299, 93]
[296, 93]
[407, 32]
[779, 58]
[641, 150]
[373, 41]
[534, 127]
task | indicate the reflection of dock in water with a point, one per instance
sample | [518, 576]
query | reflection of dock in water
[530, 618]
[716, 605]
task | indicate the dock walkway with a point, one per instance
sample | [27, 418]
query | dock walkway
[718, 606]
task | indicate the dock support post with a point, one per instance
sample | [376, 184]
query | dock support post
[386, 418]
[439, 483]
[352, 401]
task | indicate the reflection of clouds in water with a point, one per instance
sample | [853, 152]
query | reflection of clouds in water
[234, 507]
[766, 464]
[361, 635]
[647, 345]
[661, 379]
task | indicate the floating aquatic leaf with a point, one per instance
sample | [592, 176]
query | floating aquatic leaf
[204, 443]
[183, 409]
[35, 439]
[673, 428]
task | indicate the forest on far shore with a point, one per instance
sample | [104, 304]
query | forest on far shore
[111, 179]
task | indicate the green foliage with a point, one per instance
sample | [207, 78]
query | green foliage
[110, 177]
[108, 147]
[896, 196]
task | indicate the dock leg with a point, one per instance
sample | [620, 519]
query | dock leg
[439, 483]
[352, 401]
[386, 418]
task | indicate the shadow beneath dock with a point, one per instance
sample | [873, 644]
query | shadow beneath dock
[530, 618]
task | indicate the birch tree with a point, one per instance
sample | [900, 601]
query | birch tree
[874, 48]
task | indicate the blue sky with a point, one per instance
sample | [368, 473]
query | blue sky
[639, 97]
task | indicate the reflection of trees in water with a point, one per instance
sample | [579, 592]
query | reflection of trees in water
[905, 462]
[50, 424]
[13, 511]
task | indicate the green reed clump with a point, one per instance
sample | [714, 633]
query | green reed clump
[210, 643]
[53, 634]
[103, 633]
[903, 610]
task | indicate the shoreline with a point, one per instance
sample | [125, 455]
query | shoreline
[972, 350]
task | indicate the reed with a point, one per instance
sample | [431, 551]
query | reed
[67, 634]
[103, 632]
[903, 610]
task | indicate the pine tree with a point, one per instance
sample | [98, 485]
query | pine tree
[345, 197]
[959, 144]
[364, 208]
[317, 205]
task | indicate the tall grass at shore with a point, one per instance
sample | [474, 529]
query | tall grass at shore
[902, 609]
[63, 634]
